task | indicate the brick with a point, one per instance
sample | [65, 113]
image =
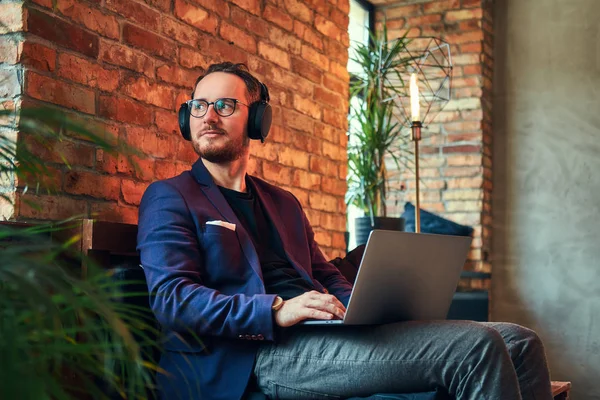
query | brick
[193, 59]
[61, 93]
[330, 99]
[196, 16]
[323, 202]
[333, 222]
[326, 132]
[151, 143]
[162, 5]
[12, 17]
[421, 20]
[122, 56]
[465, 183]
[306, 180]
[322, 238]
[339, 18]
[321, 7]
[10, 50]
[150, 93]
[50, 207]
[313, 38]
[307, 143]
[339, 70]
[275, 55]
[267, 151]
[323, 166]
[337, 118]
[91, 18]
[114, 212]
[278, 17]
[140, 168]
[299, 10]
[472, 69]
[124, 110]
[180, 32]
[149, 41]
[438, 6]
[468, 37]
[344, 6]
[82, 71]
[38, 56]
[472, 103]
[135, 12]
[276, 173]
[336, 51]
[237, 37]
[298, 121]
[285, 41]
[465, 148]
[334, 186]
[222, 50]
[132, 191]
[327, 28]
[334, 152]
[460, 15]
[62, 33]
[249, 22]
[463, 171]
[293, 158]
[306, 70]
[185, 152]
[311, 55]
[252, 6]
[335, 84]
[291, 81]
[221, 8]
[91, 184]
[402, 11]
[307, 106]
[177, 76]
[10, 85]
[61, 151]
[164, 169]
[46, 181]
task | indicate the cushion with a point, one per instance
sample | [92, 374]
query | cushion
[432, 223]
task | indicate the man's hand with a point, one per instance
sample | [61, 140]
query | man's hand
[313, 305]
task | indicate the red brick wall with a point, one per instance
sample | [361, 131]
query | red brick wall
[124, 67]
[456, 150]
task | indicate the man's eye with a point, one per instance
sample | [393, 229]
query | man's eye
[198, 106]
[224, 105]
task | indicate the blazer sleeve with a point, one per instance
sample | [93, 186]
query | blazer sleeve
[171, 256]
[323, 271]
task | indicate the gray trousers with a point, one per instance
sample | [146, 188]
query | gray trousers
[469, 360]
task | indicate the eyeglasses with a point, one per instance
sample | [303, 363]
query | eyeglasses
[224, 107]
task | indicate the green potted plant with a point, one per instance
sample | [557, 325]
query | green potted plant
[62, 333]
[375, 132]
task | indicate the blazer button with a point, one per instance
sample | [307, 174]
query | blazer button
[260, 337]
[254, 337]
[241, 336]
[248, 337]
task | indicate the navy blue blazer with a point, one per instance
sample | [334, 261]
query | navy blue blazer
[206, 282]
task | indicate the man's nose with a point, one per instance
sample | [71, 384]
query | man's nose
[211, 115]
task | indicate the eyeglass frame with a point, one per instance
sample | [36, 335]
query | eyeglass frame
[209, 103]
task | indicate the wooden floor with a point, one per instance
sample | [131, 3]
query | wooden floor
[560, 390]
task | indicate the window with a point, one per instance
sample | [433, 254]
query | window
[358, 29]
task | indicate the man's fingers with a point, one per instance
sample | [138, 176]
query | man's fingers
[317, 314]
[329, 307]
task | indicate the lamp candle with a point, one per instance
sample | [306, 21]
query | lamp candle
[416, 136]
[414, 98]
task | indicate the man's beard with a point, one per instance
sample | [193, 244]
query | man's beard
[225, 152]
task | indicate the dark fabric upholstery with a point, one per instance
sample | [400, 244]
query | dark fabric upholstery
[432, 223]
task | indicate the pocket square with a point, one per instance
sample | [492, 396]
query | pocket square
[224, 224]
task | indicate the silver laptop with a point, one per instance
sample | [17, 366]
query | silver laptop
[404, 276]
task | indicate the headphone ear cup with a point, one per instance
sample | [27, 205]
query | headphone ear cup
[259, 120]
[184, 122]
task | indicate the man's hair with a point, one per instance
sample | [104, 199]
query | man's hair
[241, 70]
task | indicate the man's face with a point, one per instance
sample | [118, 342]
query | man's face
[215, 138]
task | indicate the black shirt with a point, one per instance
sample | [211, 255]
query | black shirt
[278, 274]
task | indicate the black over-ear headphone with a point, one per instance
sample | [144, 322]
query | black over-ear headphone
[260, 115]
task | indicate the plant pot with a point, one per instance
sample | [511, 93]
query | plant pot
[363, 226]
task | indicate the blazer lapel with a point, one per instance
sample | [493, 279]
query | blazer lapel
[217, 199]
